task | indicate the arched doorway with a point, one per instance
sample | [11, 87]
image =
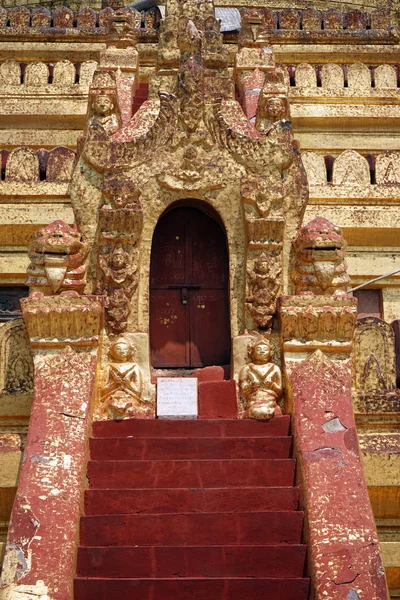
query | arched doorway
[189, 303]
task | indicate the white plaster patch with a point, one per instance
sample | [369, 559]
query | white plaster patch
[67, 461]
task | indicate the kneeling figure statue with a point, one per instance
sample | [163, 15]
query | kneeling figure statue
[260, 382]
[122, 394]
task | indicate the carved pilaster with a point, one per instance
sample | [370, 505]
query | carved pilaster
[118, 261]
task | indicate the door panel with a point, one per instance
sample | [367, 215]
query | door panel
[189, 308]
[168, 329]
[209, 328]
[168, 263]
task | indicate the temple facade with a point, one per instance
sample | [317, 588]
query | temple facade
[196, 190]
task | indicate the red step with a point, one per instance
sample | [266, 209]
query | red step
[178, 500]
[191, 510]
[128, 474]
[188, 448]
[151, 428]
[191, 589]
[189, 561]
[213, 529]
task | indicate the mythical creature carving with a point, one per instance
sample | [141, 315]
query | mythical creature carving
[320, 265]
[57, 260]
[260, 382]
[264, 284]
[118, 284]
[122, 394]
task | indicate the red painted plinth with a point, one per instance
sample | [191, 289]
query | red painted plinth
[217, 400]
[344, 557]
[43, 531]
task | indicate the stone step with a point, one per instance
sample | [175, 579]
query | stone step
[191, 589]
[127, 474]
[193, 428]
[178, 500]
[206, 529]
[189, 448]
[192, 561]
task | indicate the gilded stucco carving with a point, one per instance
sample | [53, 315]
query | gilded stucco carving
[16, 368]
[191, 138]
[122, 394]
[260, 382]
[320, 265]
[57, 257]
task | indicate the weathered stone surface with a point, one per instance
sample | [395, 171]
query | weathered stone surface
[16, 367]
[336, 499]
[381, 18]
[19, 16]
[10, 458]
[356, 19]
[57, 260]
[10, 73]
[311, 19]
[86, 18]
[374, 357]
[22, 165]
[41, 17]
[80, 324]
[320, 265]
[359, 77]
[64, 73]
[333, 19]
[350, 168]
[315, 167]
[36, 74]
[332, 78]
[60, 164]
[63, 17]
[51, 478]
[310, 322]
[385, 77]
[387, 168]
[289, 19]
[305, 76]
[86, 72]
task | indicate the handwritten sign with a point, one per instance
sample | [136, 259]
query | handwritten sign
[177, 398]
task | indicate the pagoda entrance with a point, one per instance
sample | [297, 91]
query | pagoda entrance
[189, 277]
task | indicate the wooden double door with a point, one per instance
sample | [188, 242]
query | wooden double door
[189, 303]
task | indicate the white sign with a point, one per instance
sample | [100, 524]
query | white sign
[177, 398]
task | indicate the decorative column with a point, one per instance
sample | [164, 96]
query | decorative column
[317, 329]
[40, 554]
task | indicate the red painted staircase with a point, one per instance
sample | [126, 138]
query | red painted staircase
[191, 510]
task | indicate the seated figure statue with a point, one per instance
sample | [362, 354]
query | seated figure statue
[260, 382]
[122, 394]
